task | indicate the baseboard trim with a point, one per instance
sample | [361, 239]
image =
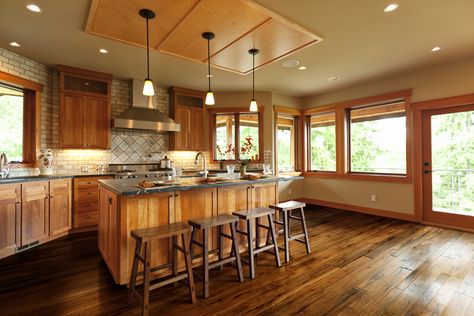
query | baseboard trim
[360, 209]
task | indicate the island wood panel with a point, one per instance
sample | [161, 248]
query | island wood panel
[264, 194]
[196, 204]
[10, 216]
[35, 212]
[109, 237]
[60, 219]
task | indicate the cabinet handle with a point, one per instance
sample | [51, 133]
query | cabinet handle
[51, 196]
[110, 200]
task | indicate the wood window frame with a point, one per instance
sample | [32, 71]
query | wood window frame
[31, 116]
[236, 111]
[342, 110]
[295, 113]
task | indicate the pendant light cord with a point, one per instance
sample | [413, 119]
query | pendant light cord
[147, 52]
[253, 78]
[209, 62]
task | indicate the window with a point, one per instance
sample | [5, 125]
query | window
[11, 116]
[322, 142]
[19, 114]
[378, 139]
[286, 141]
[235, 127]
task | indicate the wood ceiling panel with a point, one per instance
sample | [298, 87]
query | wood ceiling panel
[227, 19]
[274, 39]
[119, 19]
[178, 26]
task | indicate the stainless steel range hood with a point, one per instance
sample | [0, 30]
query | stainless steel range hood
[143, 114]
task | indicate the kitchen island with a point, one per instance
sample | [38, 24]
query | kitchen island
[123, 207]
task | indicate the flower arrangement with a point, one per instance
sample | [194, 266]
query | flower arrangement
[223, 152]
[245, 151]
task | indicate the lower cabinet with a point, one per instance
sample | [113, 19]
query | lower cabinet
[32, 213]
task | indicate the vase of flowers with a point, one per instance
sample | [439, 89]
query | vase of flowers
[45, 162]
[223, 153]
[245, 152]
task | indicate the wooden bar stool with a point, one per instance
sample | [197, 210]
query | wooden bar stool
[146, 236]
[249, 216]
[205, 224]
[286, 208]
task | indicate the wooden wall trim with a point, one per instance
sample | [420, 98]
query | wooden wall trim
[20, 82]
[444, 102]
[361, 209]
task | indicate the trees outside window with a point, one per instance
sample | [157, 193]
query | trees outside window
[11, 129]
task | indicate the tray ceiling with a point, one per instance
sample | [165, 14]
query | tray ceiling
[238, 25]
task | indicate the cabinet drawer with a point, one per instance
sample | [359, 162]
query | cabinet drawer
[87, 207]
[87, 196]
[9, 192]
[87, 219]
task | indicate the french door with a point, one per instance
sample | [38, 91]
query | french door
[448, 165]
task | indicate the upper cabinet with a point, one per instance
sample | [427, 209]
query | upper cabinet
[187, 109]
[85, 109]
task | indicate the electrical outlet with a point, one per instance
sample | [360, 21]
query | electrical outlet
[373, 198]
[290, 191]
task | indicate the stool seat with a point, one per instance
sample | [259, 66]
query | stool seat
[159, 232]
[214, 221]
[254, 213]
[289, 205]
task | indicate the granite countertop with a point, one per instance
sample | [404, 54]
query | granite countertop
[129, 186]
[20, 179]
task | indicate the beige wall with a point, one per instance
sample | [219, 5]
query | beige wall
[438, 82]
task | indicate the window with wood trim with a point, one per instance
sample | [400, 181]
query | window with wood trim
[287, 135]
[231, 128]
[378, 139]
[18, 128]
[322, 141]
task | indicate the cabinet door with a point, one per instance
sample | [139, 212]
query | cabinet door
[197, 128]
[181, 138]
[10, 207]
[71, 120]
[35, 212]
[59, 207]
[96, 123]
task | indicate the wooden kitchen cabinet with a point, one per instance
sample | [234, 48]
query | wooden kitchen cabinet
[187, 109]
[10, 216]
[60, 216]
[35, 212]
[108, 230]
[86, 202]
[84, 109]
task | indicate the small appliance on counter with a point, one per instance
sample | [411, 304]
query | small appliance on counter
[140, 170]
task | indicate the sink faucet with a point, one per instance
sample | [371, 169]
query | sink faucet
[3, 161]
[203, 163]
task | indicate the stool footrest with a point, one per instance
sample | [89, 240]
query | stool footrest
[299, 240]
[279, 223]
[263, 248]
[226, 236]
[241, 231]
[221, 262]
[197, 243]
[295, 217]
[168, 281]
[263, 226]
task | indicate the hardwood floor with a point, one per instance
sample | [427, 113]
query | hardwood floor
[360, 264]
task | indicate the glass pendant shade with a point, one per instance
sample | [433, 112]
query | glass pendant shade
[148, 87]
[253, 106]
[210, 98]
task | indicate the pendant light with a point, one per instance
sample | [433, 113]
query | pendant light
[253, 102]
[148, 84]
[209, 94]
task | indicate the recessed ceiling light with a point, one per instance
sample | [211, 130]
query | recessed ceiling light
[103, 51]
[435, 49]
[15, 44]
[391, 7]
[333, 78]
[302, 68]
[33, 8]
[290, 63]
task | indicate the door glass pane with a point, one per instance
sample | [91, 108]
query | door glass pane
[323, 142]
[225, 136]
[249, 131]
[452, 156]
[11, 129]
[286, 143]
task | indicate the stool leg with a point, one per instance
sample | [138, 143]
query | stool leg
[191, 246]
[286, 236]
[146, 280]
[205, 258]
[235, 247]
[250, 245]
[220, 246]
[271, 226]
[174, 243]
[305, 231]
[257, 233]
[133, 277]
[189, 267]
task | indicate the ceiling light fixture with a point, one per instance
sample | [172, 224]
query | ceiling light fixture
[290, 63]
[103, 51]
[435, 49]
[391, 7]
[33, 8]
[302, 68]
[333, 78]
[148, 84]
[15, 44]
[209, 95]
[253, 102]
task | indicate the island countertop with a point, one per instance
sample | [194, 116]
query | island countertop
[130, 186]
